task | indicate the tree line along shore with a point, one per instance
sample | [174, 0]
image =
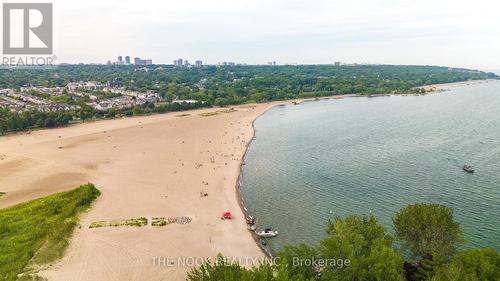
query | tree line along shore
[180, 89]
[425, 246]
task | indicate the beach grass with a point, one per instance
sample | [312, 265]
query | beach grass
[126, 222]
[207, 114]
[228, 110]
[2, 194]
[37, 233]
[161, 221]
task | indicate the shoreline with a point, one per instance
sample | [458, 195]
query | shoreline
[445, 87]
[442, 89]
[238, 185]
[266, 250]
[132, 126]
[145, 166]
[429, 89]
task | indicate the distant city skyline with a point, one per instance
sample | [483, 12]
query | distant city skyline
[200, 63]
[441, 32]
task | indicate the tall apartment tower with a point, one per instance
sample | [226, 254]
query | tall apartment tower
[127, 60]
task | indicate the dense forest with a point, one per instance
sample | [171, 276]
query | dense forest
[424, 247]
[222, 86]
[239, 84]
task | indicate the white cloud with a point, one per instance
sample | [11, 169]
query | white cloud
[445, 32]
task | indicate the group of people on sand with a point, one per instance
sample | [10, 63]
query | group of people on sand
[203, 193]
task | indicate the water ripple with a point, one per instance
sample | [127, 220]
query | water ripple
[312, 162]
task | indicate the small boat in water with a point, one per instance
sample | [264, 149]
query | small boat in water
[267, 233]
[251, 227]
[250, 220]
[468, 169]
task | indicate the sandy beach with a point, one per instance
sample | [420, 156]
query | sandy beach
[151, 166]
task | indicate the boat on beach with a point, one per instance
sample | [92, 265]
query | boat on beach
[250, 223]
[267, 233]
[250, 220]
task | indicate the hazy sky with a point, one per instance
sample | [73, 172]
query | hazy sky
[439, 32]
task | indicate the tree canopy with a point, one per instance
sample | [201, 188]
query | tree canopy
[472, 265]
[368, 247]
[363, 250]
[427, 229]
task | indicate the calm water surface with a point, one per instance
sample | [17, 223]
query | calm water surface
[312, 162]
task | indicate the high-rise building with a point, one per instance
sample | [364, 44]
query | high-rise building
[127, 60]
[227, 63]
[120, 59]
[139, 61]
[198, 63]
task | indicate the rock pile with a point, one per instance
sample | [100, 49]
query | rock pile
[183, 220]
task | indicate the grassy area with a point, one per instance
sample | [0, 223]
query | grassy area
[36, 233]
[2, 194]
[229, 110]
[207, 114]
[128, 222]
[161, 221]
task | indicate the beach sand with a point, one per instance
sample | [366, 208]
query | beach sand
[449, 86]
[151, 166]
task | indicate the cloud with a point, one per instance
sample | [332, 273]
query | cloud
[455, 33]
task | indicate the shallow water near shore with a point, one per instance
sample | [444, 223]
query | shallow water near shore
[327, 158]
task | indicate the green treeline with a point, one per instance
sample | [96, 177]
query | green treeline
[422, 248]
[37, 232]
[220, 86]
[13, 121]
[239, 84]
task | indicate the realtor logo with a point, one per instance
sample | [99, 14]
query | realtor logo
[27, 28]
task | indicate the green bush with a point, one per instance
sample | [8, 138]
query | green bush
[38, 231]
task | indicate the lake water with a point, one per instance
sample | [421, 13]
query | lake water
[327, 158]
